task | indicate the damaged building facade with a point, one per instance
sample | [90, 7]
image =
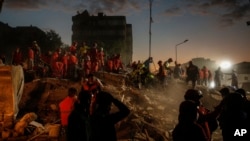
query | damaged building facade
[112, 33]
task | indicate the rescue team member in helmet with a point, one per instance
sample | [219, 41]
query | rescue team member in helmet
[91, 86]
[187, 128]
[98, 124]
[207, 119]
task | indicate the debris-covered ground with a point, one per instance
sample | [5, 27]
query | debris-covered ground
[153, 115]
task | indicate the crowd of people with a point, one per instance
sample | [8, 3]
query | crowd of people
[78, 60]
[86, 115]
[197, 123]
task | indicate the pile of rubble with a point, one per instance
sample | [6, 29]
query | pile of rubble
[153, 115]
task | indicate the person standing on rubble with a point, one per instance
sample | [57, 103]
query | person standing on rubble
[218, 75]
[162, 73]
[207, 119]
[187, 128]
[192, 74]
[177, 73]
[234, 78]
[96, 125]
[30, 58]
[17, 58]
[66, 106]
[37, 52]
[166, 65]
[117, 64]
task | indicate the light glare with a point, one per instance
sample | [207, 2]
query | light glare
[225, 64]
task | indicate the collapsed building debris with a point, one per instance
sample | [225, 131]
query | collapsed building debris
[153, 112]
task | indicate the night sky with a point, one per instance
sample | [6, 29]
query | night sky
[215, 29]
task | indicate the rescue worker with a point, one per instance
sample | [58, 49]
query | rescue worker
[117, 64]
[101, 56]
[205, 75]
[100, 124]
[234, 116]
[83, 50]
[94, 58]
[30, 58]
[234, 78]
[207, 119]
[37, 52]
[210, 77]
[201, 77]
[66, 106]
[46, 59]
[72, 64]
[92, 86]
[73, 48]
[162, 73]
[187, 128]
[87, 66]
[104, 122]
[192, 74]
[177, 72]
[77, 127]
[218, 75]
[94, 52]
[65, 60]
[55, 66]
[17, 57]
[110, 64]
[166, 64]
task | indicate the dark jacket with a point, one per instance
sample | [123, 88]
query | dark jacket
[97, 127]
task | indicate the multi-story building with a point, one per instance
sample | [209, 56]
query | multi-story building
[112, 33]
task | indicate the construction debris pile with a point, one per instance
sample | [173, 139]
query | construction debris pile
[153, 111]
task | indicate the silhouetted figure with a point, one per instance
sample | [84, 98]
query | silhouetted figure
[187, 128]
[234, 117]
[177, 71]
[234, 82]
[17, 57]
[192, 74]
[98, 126]
[218, 75]
[166, 65]
[207, 119]
[162, 73]
[77, 120]
[205, 75]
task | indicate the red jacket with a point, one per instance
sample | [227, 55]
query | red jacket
[31, 54]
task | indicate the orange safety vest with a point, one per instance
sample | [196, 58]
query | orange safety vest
[66, 106]
[73, 60]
